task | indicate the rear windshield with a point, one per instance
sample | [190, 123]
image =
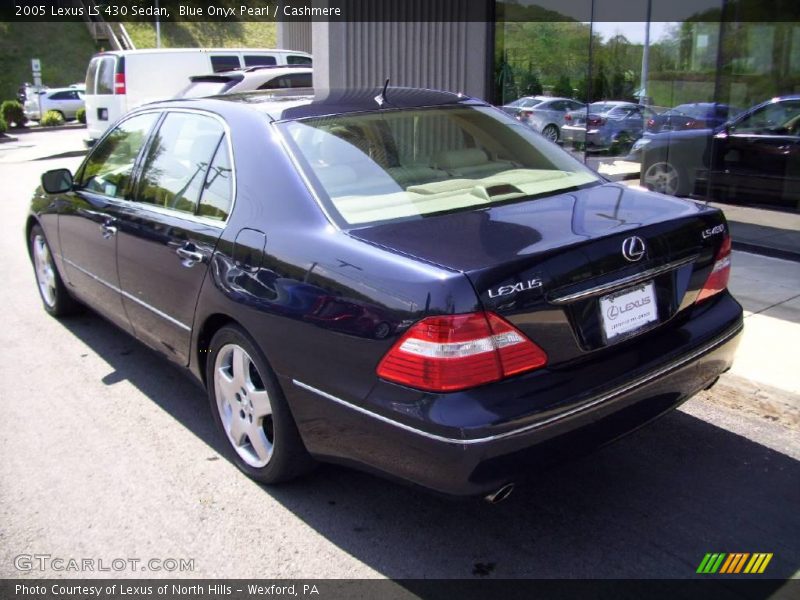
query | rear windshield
[405, 164]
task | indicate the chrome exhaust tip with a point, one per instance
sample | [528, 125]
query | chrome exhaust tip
[499, 495]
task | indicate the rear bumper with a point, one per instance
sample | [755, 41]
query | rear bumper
[490, 452]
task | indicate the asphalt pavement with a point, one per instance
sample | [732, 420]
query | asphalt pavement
[108, 452]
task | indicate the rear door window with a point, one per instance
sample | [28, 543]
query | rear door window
[91, 75]
[288, 81]
[217, 193]
[105, 76]
[256, 60]
[224, 62]
[294, 59]
[109, 168]
[177, 161]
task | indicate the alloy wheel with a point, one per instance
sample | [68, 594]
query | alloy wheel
[662, 177]
[45, 270]
[244, 405]
[551, 133]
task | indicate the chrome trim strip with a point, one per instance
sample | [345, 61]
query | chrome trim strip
[539, 424]
[625, 281]
[153, 309]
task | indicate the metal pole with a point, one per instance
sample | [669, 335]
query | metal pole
[158, 28]
[646, 55]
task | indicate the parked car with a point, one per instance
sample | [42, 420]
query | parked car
[547, 116]
[754, 158]
[119, 81]
[418, 285]
[608, 125]
[513, 108]
[247, 80]
[700, 115]
[66, 101]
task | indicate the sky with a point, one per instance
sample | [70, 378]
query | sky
[634, 31]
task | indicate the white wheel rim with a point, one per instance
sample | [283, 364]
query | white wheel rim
[662, 177]
[244, 405]
[45, 270]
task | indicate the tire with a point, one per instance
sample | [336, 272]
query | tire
[251, 411]
[666, 178]
[55, 297]
[552, 133]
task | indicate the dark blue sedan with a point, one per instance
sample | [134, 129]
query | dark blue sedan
[406, 281]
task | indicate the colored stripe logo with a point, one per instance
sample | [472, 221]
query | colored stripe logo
[734, 563]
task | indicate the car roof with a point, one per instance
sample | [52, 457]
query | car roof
[265, 72]
[288, 105]
[186, 50]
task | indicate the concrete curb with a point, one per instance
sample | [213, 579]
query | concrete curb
[766, 251]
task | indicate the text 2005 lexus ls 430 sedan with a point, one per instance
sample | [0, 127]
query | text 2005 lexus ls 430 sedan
[412, 283]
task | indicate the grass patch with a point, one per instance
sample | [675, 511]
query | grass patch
[205, 35]
[64, 49]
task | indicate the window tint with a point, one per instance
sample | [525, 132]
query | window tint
[778, 118]
[407, 163]
[255, 60]
[110, 165]
[91, 75]
[105, 76]
[177, 161]
[287, 81]
[224, 63]
[215, 203]
[293, 59]
[61, 96]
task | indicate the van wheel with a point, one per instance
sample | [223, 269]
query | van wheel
[251, 411]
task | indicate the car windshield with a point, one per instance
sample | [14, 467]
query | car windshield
[524, 102]
[695, 111]
[402, 164]
[601, 107]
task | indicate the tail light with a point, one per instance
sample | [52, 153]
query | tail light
[455, 352]
[651, 123]
[119, 83]
[568, 118]
[523, 115]
[718, 279]
[596, 121]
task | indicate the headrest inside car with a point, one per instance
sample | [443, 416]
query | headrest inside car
[456, 159]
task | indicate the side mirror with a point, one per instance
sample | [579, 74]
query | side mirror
[57, 181]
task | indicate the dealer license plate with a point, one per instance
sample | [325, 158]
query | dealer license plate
[628, 311]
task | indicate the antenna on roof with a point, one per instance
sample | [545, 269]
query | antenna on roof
[381, 98]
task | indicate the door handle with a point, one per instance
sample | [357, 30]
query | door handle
[189, 255]
[108, 230]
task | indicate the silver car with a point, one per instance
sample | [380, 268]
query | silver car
[66, 101]
[547, 117]
[513, 108]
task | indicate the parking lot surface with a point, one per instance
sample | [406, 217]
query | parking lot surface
[109, 452]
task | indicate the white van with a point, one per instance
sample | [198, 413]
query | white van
[119, 81]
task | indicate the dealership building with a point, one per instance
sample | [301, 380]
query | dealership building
[730, 53]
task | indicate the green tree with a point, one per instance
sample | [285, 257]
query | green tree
[530, 85]
[563, 88]
[600, 87]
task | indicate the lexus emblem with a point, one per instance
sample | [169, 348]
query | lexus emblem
[633, 248]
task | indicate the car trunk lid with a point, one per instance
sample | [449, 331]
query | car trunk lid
[551, 265]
